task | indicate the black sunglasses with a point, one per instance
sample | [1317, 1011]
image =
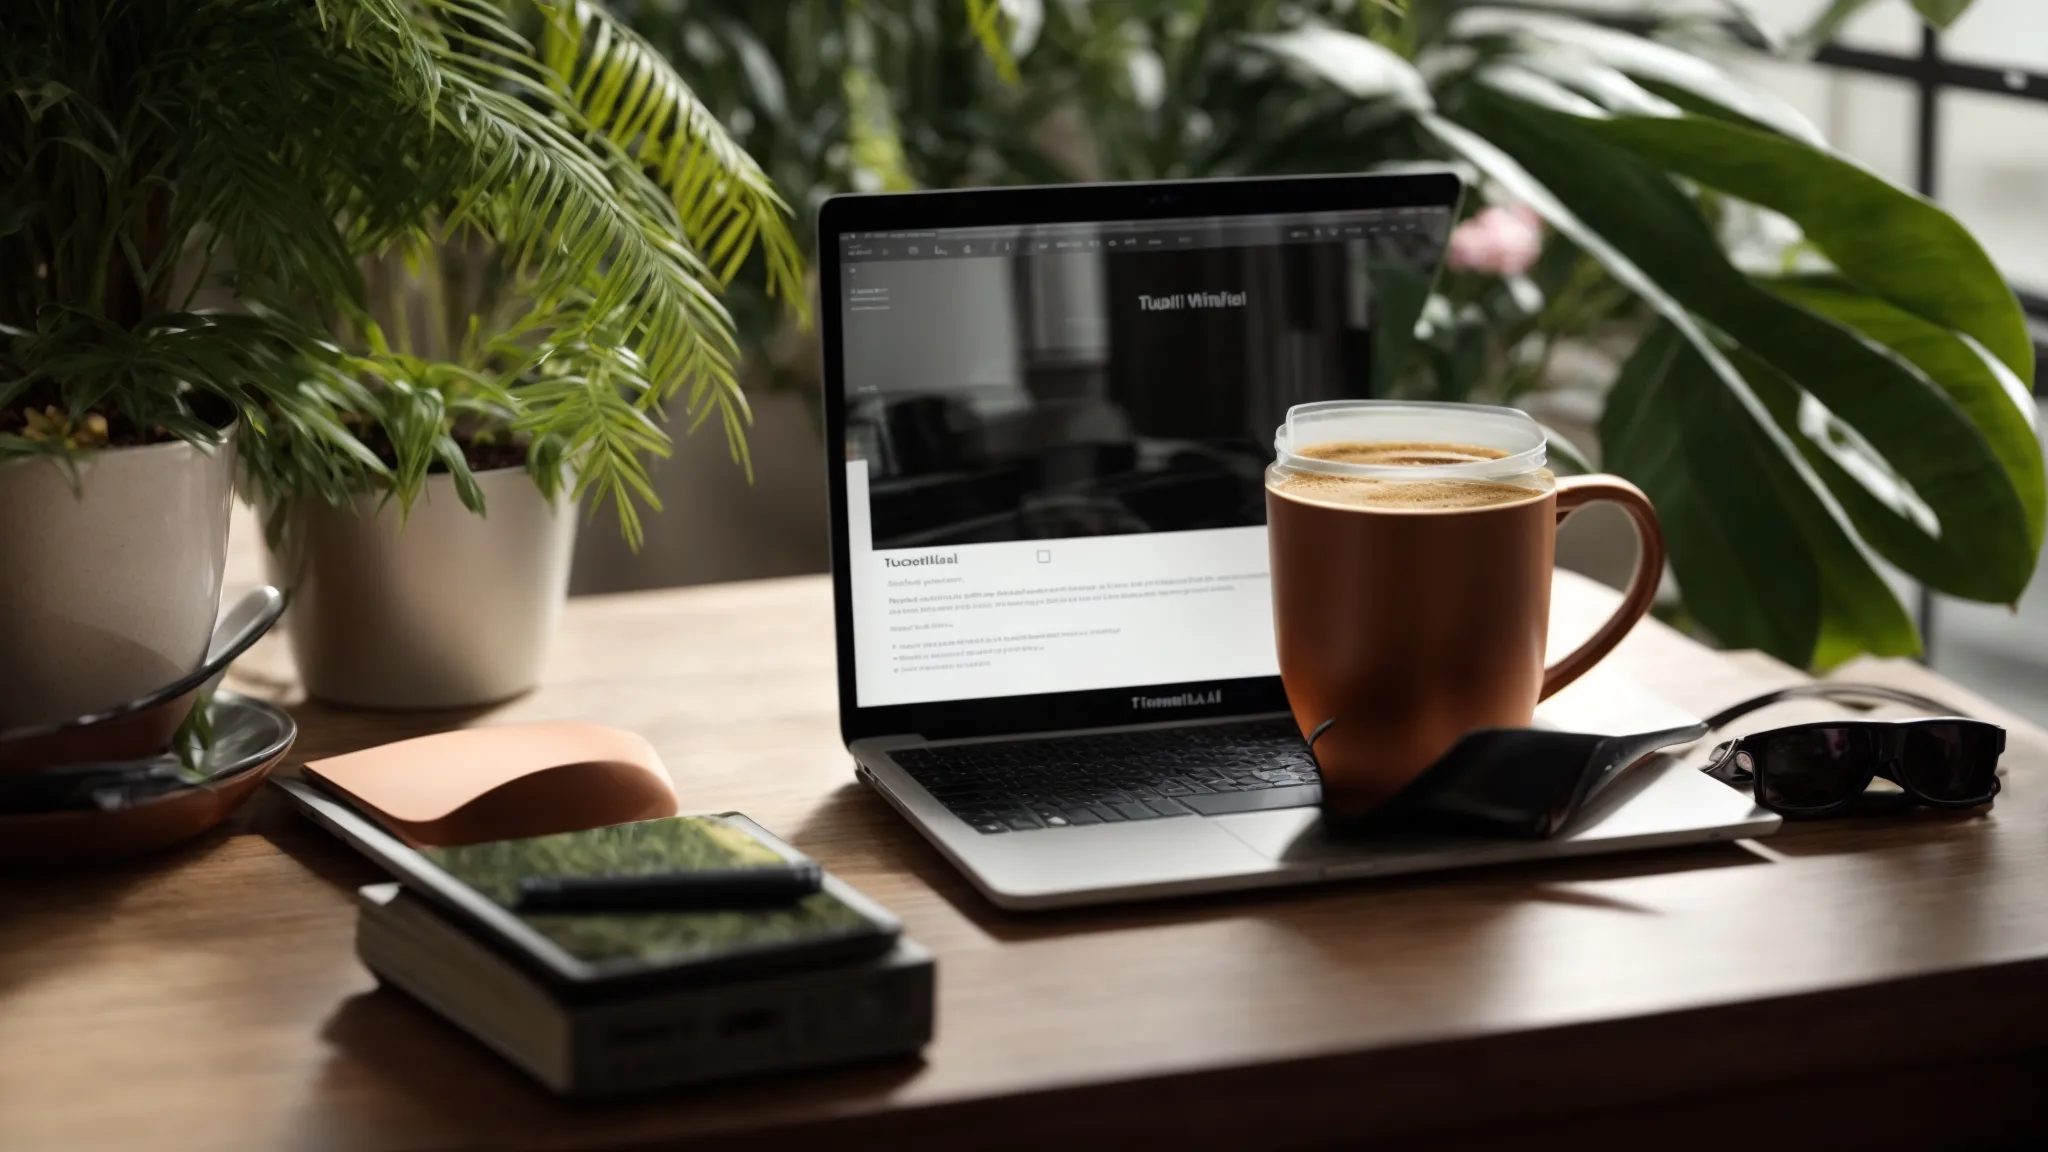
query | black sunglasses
[1822, 768]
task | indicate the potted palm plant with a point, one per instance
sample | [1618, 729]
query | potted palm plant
[500, 395]
[140, 143]
[189, 190]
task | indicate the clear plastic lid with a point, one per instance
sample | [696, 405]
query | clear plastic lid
[1505, 430]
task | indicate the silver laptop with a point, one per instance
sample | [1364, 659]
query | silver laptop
[1048, 415]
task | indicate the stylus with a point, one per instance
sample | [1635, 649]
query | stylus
[697, 890]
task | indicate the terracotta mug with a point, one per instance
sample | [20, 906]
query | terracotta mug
[1412, 548]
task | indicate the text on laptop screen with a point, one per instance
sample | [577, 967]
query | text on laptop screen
[1057, 435]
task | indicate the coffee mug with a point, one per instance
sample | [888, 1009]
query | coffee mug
[1412, 547]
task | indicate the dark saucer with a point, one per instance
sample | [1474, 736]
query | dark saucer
[87, 812]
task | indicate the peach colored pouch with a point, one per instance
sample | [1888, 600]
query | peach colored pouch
[501, 783]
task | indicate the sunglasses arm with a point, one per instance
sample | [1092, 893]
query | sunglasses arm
[1826, 691]
[1722, 766]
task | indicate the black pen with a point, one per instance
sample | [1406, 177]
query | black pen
[695, 890]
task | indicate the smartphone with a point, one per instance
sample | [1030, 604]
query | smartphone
[604, 951]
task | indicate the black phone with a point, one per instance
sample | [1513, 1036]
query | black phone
[581, 949]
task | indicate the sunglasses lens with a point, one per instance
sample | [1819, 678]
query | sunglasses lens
[1801, 769]
[1950, 760]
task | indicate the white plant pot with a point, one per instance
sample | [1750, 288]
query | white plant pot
[109, 589]
[446, 610]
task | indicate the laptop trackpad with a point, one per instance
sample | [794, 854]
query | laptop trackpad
[1295, 839]
[1288, 835]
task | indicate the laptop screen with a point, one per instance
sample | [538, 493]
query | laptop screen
[1056, 437]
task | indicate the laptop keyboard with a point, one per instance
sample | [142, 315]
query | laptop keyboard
[1068, 781]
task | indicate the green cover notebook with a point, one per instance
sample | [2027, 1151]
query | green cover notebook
[596, 953]
[625, 940]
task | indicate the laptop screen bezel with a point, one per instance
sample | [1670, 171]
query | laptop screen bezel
[1056, 204]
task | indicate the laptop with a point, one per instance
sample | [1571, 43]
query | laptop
[1048, 415]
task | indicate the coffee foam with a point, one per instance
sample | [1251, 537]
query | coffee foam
[1407, 495]
[1399, 453]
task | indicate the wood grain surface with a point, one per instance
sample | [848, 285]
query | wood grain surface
[1881, 980]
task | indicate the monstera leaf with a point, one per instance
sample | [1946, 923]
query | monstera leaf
[1793, 432]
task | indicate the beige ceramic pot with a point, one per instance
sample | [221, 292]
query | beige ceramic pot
[108, 589]
[443, 610]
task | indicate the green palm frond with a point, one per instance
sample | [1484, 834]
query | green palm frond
[551, 202]
[613, 293]
[96, 361]
[880, 163]
[279, 226]
[991, 29]
[306, 451]
[415, 403]
[387, 30]
[632, 95]
[585, 398]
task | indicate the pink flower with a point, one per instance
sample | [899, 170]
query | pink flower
[1497, 241]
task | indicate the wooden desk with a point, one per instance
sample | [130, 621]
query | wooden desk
[1886, 978]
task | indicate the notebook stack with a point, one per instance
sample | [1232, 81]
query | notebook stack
[647, 1036]
[623, 958]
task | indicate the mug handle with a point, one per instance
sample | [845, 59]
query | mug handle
[1573, 493]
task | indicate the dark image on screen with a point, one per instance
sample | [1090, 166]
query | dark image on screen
[1112, 390]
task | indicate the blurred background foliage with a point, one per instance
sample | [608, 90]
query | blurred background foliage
[1849, 404]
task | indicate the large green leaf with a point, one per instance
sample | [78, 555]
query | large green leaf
[1353, 63]
[1825, 25]
[1850, 471]
[1682, 75]
[1740, 558]
[1507, 172]
[1761, 561]
[1978, 544]
[1980, 548]
[629, 92]
[1941, 13]
[1993, 399]
[1890, 241]
[1607, 87]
